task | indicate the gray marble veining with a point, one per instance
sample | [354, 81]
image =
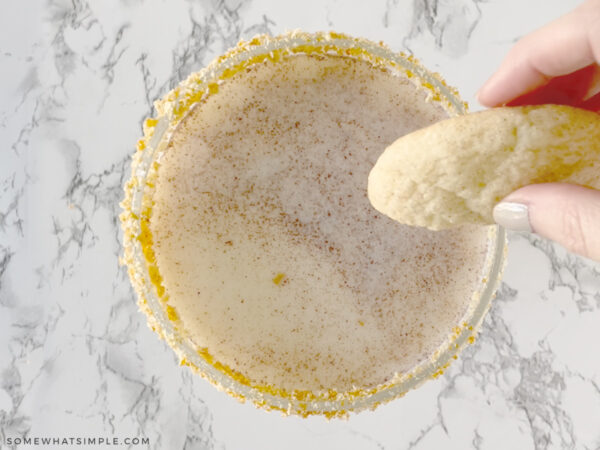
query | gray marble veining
[77, 359]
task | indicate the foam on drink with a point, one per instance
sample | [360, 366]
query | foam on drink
[268, 247]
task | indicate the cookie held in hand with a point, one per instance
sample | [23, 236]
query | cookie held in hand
[453, 172]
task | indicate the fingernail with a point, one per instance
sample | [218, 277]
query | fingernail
[512, 216]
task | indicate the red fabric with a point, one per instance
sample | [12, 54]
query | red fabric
[566, 90]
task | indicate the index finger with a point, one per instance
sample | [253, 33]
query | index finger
[559, 48]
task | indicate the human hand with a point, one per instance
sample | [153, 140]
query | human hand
[558, 63]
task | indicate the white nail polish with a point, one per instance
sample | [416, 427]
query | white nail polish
[512, 216]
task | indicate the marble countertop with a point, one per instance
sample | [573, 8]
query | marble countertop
[76, 357]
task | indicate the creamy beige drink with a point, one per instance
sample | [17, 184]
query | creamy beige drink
[271, 257]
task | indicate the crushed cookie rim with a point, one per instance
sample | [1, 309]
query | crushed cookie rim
[137, 238]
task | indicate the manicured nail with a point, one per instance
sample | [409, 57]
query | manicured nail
[512, 216]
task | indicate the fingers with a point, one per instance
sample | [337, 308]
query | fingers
[574, 89]
[565, 213]
[594, 87]
[557, 64]
[561, 47]
[591, 104]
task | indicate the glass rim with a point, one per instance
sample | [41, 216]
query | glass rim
[137, 239]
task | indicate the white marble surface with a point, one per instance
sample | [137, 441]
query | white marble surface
[76, 358]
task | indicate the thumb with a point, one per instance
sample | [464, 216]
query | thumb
[566, 213]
